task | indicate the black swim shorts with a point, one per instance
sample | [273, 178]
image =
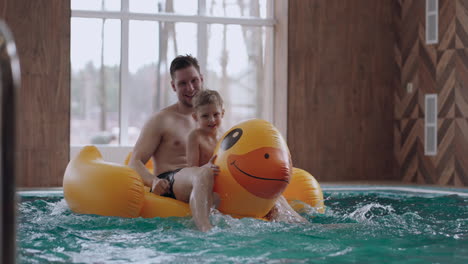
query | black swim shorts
[169, 176]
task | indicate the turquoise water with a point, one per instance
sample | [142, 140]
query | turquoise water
[357, 227]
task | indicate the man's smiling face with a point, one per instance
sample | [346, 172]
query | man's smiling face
[186, 83]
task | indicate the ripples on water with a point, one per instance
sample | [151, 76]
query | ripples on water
[381, 227]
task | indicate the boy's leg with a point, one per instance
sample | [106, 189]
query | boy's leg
[195, 186]
[283, 212]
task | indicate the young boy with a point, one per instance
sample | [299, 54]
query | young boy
[208, 113]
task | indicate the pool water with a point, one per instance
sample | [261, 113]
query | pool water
[373, 226]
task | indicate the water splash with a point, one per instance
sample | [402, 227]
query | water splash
[59, 208]
[369, 211]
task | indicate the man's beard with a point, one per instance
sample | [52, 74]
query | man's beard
[186, 103]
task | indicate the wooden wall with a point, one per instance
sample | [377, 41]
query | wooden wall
[440, 69]
[41, 29]
[349, 114]
[341, 74]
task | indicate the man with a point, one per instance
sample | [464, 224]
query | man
[164, 138]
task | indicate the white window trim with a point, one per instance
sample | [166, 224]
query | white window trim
[279, 105]
[428, 124]
[430, 13]
[124, 77]
[280, 64]
[167, 17]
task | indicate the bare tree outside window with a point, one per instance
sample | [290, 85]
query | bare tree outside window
[236, 61]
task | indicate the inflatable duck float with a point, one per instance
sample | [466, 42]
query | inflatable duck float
[255, 170]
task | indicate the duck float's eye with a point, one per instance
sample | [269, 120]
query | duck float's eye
[231, 138]
[267, 155]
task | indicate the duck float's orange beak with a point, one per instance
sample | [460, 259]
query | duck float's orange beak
[264, 172]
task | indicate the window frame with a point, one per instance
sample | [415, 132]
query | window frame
[277, 14]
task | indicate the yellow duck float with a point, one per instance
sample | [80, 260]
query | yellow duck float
[255, 169]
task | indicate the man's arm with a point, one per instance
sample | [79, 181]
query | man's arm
[147, 144]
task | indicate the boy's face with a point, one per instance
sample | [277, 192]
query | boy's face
[186, 83]
[209, 117]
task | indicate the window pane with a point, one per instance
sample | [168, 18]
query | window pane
[238, 8]
[431, 30]
[181, 7]
[152, 47]
[96, 5]
[236, 64]
[240, 71]
[95, 63]
[143, 64]
[144, 6]
[176, 39]
[431, 5]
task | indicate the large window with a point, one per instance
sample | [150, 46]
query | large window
[121, 51]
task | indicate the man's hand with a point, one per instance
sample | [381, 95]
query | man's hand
[159, 186]
[212, 166]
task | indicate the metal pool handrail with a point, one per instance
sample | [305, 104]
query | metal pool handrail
[9, 85]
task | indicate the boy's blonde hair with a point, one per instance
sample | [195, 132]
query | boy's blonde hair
[205, 97]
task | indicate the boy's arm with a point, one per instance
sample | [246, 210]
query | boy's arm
[146, 146]
[193, 150]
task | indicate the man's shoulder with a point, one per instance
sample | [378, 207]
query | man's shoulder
[164, 114]
[165, 120]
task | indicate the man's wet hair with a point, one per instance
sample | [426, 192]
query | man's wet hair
[206, 97]
[182, 62]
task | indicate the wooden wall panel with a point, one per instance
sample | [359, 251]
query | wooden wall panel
[350, 116]
[341, 74]
[441, 69]
[41, 29]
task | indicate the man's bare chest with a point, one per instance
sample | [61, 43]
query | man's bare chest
[176, 137]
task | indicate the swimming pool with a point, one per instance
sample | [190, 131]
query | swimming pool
[362, 224]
